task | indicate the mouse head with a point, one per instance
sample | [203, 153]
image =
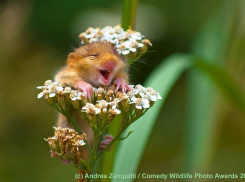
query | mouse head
[97, 63]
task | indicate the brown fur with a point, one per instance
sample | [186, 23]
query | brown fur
[83, 65]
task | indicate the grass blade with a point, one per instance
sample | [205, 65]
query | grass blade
[224, 81]
[161, 79]
[129, 13]
[204, 99]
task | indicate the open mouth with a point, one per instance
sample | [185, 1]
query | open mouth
[106, 75]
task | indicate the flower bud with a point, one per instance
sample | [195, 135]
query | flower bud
[75, 104]
[60, 99]
[109, 95]
[66, 143]
[67, 99]
[48, 82]
[50, 100]
[151, 103]
[100, 93]
[138, 112]
[112, 114]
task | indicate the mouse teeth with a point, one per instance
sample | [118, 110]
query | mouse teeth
[105, 74]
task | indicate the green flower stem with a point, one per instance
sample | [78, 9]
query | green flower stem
[118, 136]
[93, 156]
[88, 146]
[85, 164]
[62, 111]
[129, 13]
[112, 142]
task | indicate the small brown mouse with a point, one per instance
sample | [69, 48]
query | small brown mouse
[95, 64]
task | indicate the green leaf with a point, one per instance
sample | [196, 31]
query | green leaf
[204, 100]
[225, 82]
[123, 138]
[161, 79]
[129, 13]
[202, 123]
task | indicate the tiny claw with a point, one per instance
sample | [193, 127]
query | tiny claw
[117, 88]
[104, 143]
[86, 88]
[128, 87]
[121, 84]
[123, 88]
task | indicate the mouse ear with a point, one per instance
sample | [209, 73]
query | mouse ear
[71, 58]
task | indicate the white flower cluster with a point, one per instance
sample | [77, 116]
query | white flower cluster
[50, 89]
[147, 95]
[105, 100]
[126, 42]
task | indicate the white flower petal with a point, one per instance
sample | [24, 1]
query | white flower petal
[153, 98]
[51, 94]
[88, 36]
[97, 111]
[40, 95]
[140, 45]
[159, 97]
[59, 88]
[81, 142]
[117, 111]
[138, 107]
[133, 99]
[132, 49]
[142, 94]
[48, 82]
[125, 52]
[145, 103]
[55, 83]
[67, 90]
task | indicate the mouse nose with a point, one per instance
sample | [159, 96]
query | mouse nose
[109, 65]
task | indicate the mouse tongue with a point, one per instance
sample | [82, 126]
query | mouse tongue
[105, 74]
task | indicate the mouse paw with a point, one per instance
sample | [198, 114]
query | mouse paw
[104, 143]
[86, 88]
[121, 84]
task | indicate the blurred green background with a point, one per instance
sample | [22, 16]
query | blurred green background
[198, 129]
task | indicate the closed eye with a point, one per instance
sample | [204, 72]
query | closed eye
[93, 55]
